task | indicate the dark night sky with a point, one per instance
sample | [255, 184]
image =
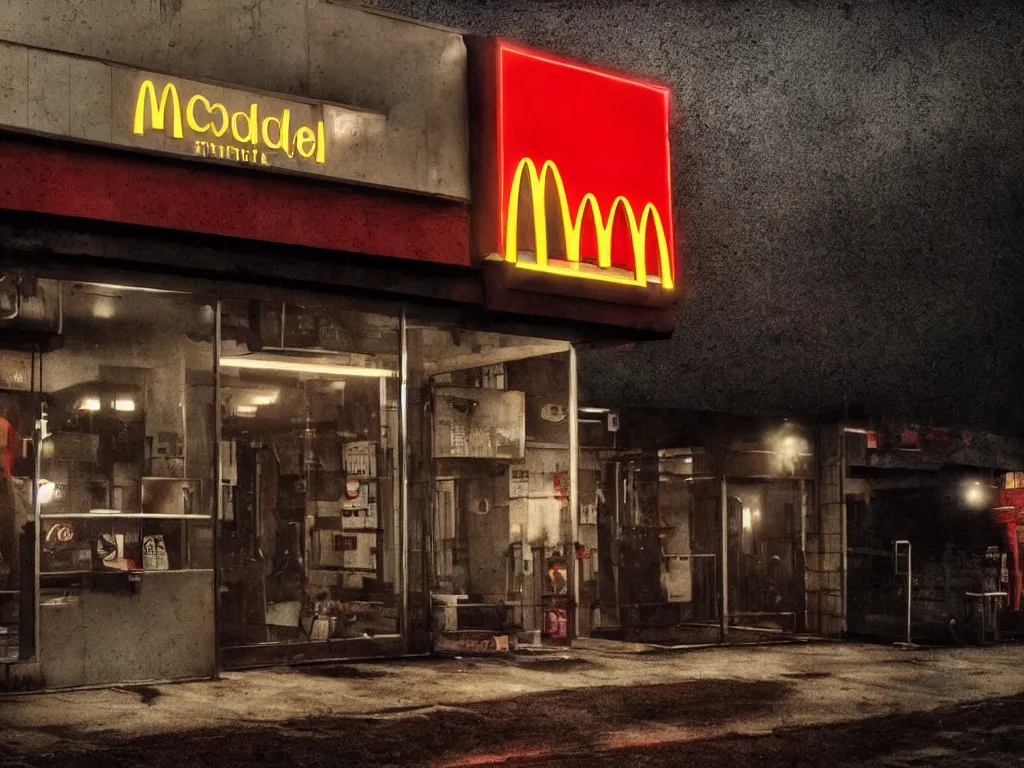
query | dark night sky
[849, 179]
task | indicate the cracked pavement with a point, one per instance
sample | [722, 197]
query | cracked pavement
[795, 704]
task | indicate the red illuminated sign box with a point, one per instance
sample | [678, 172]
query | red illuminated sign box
[572, 183]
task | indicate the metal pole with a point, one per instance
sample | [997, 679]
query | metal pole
[403, 477]
[37, 441]
[387, 539]
[218, 481]
[910, 570]
[802, 623]
[724, 557]
[909, 581]
[909, 575]
[574, 518]
[842, 525]
[620, 493]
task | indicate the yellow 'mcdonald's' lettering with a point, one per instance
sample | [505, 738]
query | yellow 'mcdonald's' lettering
[244, 126]
[573, 228]
[305, 141]
[157, 110]
[212, 109]
[252, 135]
[282, 123]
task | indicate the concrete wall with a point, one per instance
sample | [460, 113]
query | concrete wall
[163, 631]
[824, 574]
[412, 73]
[842, 169]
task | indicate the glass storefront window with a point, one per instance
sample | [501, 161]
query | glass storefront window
[229, 471]
[490, 477]
[309, 547]
[765, 575]
[126, 485]
[126, 481]
[662, 557]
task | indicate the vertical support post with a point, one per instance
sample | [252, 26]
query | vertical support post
[910, 581]
[386, 542]
[574, 465]
[724, 558]
[908, 574]
[403, 478]
[843, 547]
[619, 485]
[39, 434]
[802, 618]
[218, 481]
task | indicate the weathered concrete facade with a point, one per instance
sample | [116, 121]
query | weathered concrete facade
[843, 169]
[826, 538]
[413, 74]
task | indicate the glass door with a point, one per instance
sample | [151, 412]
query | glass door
[309, 551]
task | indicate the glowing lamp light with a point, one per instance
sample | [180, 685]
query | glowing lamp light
[125, 406]
[90, 404]
[293, 366]
[45, 491]
[790, 445]
[975, 494]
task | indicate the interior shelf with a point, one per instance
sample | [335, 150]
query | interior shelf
[341, 568]
[120, 516]
[72, 574]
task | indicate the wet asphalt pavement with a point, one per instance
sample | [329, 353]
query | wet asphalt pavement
[815, 707]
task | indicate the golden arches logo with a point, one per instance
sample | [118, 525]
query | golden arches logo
[573, 229]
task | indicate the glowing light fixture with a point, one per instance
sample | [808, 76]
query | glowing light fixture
[294, 366]
[245, 410]
[90, 404]
[124, 405]
[264, 400]
[974, 494]
[601, 152]
[46, 491]
[746, 519]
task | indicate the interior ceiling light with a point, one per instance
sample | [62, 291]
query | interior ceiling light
[104, 308]
[264, 399]
[129, 288]
[293, 366]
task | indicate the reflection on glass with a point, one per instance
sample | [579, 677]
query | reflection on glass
[19, 405]
[126, 480]
[308, 401]
[763, 553]
[489, 484]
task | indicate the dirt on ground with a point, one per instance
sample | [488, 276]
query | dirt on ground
[987, 734]
[570, 728]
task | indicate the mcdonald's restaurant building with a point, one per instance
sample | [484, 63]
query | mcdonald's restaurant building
[288, 318]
